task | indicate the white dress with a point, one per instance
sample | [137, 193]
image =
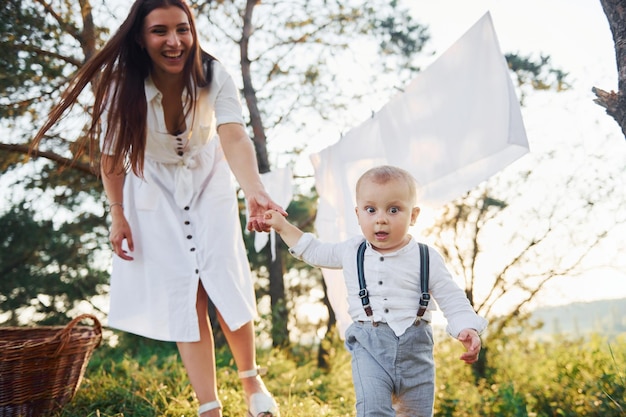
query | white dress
[184, 218]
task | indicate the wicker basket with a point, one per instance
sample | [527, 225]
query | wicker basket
[42, 367]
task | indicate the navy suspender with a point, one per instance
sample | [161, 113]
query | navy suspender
[424, 262]
[424, 271]
[365, 300]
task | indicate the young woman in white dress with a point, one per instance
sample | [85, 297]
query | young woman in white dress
[171, 132]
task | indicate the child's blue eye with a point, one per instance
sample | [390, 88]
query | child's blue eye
[394, 210]
[370, 210]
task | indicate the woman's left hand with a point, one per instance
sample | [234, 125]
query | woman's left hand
[258, 203]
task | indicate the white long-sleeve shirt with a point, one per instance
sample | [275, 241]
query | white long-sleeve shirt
[393, 283]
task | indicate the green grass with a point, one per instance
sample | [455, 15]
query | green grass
[141, 378]
[145, 378]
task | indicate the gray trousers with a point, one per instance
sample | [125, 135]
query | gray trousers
[393, 376]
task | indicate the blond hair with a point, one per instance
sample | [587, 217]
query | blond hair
[386, 173]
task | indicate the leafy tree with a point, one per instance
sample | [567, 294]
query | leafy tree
[46, 269]
[290, 76]
[47, 42]
[509, 238]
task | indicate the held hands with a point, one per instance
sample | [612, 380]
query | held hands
[471, 341]
[274, 220]
[258, 205]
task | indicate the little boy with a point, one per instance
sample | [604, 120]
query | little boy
[391, 344]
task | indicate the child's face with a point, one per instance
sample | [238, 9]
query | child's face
[385, 212]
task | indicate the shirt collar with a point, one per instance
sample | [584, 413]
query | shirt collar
[151, 91]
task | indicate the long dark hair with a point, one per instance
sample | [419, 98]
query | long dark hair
[117, 73]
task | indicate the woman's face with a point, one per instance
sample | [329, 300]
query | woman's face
[167, 39]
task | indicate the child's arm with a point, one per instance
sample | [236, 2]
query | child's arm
[471, 341]
[287, 231]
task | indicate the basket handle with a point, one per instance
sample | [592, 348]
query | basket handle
[65, 334]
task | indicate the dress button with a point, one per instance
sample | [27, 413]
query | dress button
[188, 236]
[192, 250]
[187, 208]
[386, 310]
[179, 139]
[380, 283]
[382, 258]
[180, 153]
[197, 270]
[187, 222]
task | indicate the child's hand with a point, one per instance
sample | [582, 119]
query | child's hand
[287, 231]
[274, 219]
[471, 342]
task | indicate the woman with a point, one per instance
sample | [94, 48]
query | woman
[159, 100]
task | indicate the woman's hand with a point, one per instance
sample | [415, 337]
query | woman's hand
[120, 231]
[259, 203]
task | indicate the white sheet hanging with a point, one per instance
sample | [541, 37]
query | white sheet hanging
[456, 124]
[279, 186]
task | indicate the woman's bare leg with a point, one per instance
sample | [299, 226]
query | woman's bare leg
[243, 347]
[199, 357]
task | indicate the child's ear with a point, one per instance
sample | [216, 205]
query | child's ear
[415, 211]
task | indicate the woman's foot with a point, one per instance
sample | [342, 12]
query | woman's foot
[260, 402]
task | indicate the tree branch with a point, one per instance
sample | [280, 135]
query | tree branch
[59, 160]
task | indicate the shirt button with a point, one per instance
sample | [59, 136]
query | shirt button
[380, 283]
[386, 310]
[382, 258]
[187, 222]
[188, 236]
[197, 271]
[192, 250]
[187, 208]
[180, 153]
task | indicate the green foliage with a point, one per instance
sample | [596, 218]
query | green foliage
[146, 378]
[24, 34]
[562, 377]
[536, 74]
[47, 269]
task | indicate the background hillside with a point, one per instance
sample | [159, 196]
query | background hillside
[605, 317]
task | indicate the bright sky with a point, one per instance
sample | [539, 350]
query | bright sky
[576, 34]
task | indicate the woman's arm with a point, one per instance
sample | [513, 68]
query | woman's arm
[113, 182]
[241, 157]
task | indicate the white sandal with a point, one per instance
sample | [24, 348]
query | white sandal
[209, 406]
[261, 404]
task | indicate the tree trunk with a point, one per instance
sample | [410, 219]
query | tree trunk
[280, 316]
[325, 348]
[280, 332]
[615, 102]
